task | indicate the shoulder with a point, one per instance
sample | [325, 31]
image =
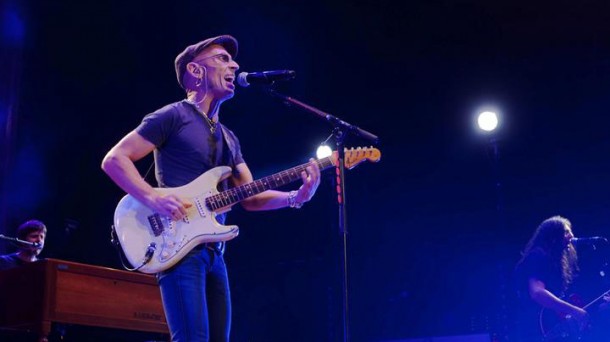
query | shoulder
[534, 262]
[178, 109]
[9, 261]
[538, 254]
[228, 132]
[533, 256]
[165, 121]
[11, 256]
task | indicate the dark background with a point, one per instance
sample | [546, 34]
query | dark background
[435, 227]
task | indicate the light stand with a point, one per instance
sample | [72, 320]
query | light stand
[340, 131]
[494, 150]
[488, 122]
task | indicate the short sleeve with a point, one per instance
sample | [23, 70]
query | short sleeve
[156, 127]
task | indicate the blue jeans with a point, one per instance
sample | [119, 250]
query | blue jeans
[196, 297]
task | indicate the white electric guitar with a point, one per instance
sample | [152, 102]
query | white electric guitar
[152, 242]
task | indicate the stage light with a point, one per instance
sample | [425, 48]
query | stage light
[488, 121]
[323, 151]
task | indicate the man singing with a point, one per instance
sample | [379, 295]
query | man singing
[188, 139]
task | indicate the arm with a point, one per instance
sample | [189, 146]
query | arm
[119, 165]
[547, 299]
[272, 199]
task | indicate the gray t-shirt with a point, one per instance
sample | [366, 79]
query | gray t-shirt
[185, 146]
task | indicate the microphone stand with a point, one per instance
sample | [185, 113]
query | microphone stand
[23, 242]
[340, 130]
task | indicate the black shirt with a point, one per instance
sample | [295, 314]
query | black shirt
[9, 261]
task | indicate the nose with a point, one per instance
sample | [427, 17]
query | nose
[234, 66]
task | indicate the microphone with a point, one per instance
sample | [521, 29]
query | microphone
[244, 79]
[588, 240]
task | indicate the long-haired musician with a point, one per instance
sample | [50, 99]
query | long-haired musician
[547, 268]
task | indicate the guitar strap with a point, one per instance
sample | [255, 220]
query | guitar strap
[230, 158]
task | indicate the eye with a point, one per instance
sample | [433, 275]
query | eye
[224, 58]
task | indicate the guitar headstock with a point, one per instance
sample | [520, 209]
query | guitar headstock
[355, 156]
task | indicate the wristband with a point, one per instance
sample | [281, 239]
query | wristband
[292, 200]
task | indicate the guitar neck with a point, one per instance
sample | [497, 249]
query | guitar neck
[229, 197]
[597, 299]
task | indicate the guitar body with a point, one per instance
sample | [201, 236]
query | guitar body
[563, 327]
[140, 230]
[560, 327]
[153, 243]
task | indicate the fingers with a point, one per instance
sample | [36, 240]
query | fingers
[314, 169]
[312, 174]
[311, 180]
[174, 207]
[581, 315]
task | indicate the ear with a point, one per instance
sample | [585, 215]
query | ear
[193, 69]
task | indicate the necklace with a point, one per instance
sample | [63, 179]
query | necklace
[210, 122]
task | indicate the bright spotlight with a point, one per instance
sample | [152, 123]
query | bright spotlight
[323, 151]
[488, 121]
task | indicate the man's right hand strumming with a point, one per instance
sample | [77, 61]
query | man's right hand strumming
[170, 205]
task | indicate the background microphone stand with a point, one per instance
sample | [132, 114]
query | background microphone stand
[22, 242]
[340, 132]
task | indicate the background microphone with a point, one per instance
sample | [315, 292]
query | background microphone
[244, 79]
[589, 240]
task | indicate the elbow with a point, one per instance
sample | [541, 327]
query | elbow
[538, 295]
[108, 162]
[534, 295]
